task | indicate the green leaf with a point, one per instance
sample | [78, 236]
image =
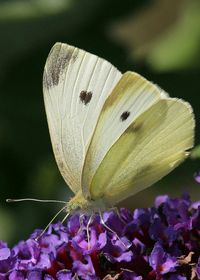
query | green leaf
[179, 47]
[32, 8]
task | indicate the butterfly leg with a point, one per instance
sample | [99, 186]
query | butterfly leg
[81, 222]
[66, 216]
[107, 227]
[116, 210]
[87, 230]
[76, 277]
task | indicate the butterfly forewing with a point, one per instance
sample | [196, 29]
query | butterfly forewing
[132, 96]
[76, 85]
[153, 145]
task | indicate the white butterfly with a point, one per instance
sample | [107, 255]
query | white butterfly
[113, 134]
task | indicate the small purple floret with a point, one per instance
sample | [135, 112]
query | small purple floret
[197, 177]
[158, 243]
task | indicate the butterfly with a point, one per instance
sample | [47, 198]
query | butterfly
[113, 134]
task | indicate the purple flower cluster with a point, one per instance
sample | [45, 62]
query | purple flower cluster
[162, 242]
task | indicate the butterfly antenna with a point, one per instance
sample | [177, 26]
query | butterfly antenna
[107, 227]
[55, 216]
[34, 199]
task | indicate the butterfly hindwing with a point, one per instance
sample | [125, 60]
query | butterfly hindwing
[153, 145]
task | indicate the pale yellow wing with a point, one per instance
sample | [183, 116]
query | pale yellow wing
[153, 145]
[130, 98]
[76, 85]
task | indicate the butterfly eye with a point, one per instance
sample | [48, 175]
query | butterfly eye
[124, 115]
[85, 96]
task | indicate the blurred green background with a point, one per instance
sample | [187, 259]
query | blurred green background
[159, 39]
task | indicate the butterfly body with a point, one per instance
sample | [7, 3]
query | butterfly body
[79, 203]
[112, 134]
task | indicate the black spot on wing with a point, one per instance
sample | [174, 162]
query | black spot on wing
[58, 60]
[124, 115]
[85, 96]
